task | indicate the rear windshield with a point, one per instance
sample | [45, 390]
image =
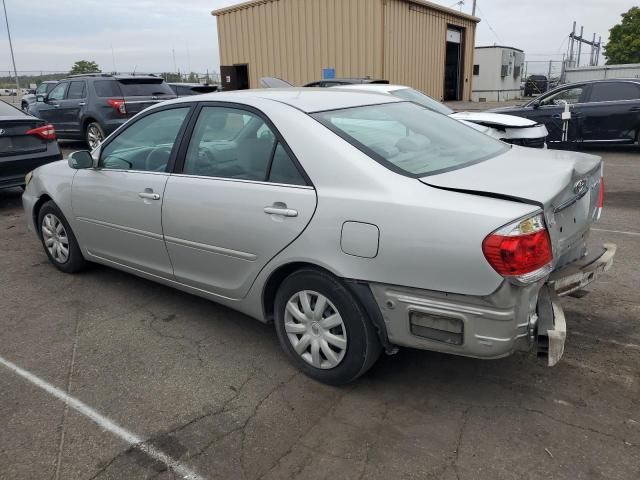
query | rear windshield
[411, 139]
[144, 88]
[421, 99]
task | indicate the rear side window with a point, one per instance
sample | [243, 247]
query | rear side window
[614, 91]
[144, 88]
[233, 143]
[76, 90]
[107, 88]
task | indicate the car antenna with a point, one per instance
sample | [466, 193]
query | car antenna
[134, 70]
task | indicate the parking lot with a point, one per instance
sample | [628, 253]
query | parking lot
[211, 388]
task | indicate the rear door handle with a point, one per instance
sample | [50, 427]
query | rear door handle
[149, 196]
[285, 212]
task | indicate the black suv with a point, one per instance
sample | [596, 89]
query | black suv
[89, 107]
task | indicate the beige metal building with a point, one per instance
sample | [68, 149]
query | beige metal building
[410, 42]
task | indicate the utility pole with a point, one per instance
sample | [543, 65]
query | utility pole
[13, 59]
[580, 46]
[113, 58]
[573, 35]
[473, 10]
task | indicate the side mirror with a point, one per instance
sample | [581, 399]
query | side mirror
[536, 104]
[80, 159]
[40, 98]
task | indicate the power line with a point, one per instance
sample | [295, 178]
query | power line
[484, 17]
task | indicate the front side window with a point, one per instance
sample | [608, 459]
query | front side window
[42, 88]
[58, 92]
[411, 139]
[421, 99]
[237, 144]
[568, 95]
[146, 145]
[614, 91]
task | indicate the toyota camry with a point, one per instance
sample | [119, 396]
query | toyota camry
[356, 222]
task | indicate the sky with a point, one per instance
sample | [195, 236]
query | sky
[142, 35]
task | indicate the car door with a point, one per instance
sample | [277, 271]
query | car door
[548, 110]
[49, 110]
[71, 107]
[118, 205]
[239, 198]
[612, 113]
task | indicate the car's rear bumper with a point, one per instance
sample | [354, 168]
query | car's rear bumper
[512, 318]
[20, 165]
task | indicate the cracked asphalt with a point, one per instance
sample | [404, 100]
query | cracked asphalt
[211, 388]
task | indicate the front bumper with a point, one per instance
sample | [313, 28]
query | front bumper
[512, 318]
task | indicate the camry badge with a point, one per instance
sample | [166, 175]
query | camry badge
[580, 187]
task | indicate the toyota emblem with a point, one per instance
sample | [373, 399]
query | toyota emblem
[580, 187]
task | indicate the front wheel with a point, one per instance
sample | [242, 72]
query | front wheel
[58, 240]
[323, 329]
[94, 135]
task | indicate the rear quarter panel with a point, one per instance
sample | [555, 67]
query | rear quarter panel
[429, 238]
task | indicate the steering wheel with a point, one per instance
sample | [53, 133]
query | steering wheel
[205, 163]
[157, 159]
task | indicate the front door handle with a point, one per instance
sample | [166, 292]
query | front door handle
[284, 211]
[149, 195]
[82, 104]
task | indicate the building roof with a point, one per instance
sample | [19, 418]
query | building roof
[424, 3]
[500, 46]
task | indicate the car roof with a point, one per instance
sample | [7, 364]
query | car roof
[371, 87]
[308, 100]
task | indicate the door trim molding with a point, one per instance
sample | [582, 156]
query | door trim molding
[250, 257]
[122, 228]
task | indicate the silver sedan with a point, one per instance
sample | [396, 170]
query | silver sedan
[356, 222]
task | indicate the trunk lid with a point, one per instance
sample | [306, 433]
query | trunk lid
[565, 185]
[14, 139]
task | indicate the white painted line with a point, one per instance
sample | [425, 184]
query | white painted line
[104, 422]
[616, 231]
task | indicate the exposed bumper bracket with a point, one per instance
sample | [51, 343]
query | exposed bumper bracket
[552, 327]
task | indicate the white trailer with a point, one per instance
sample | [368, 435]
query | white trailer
[581, 74]
[497, 73]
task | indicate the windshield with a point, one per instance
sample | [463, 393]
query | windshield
[411, 139]
[421, 99]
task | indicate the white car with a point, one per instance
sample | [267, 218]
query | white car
[508, 128]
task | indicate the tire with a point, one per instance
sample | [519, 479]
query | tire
[93, 135]
[351, 328]
[55, 230]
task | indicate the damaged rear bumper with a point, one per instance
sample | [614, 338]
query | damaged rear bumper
[551, 324]
[511, 318]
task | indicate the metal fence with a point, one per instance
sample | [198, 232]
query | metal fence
[29, 79]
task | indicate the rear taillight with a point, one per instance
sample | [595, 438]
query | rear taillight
[600, 198]
[46, 132]
[118, 104]
[521, 250]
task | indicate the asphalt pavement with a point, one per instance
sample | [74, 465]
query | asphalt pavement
[211, 390]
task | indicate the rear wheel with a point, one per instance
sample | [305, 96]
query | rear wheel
[323, 328]
[94, 135]
[58, 240]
